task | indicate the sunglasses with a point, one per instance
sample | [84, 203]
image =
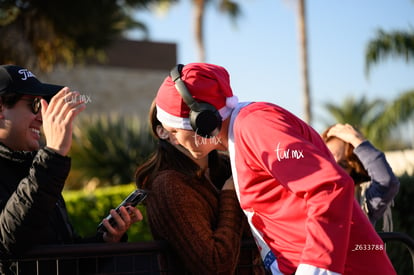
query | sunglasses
[35, 104]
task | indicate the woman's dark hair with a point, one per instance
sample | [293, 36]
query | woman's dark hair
[168, 157]
[9, 100]
[351, 162]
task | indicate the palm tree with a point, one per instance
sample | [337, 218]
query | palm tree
[226, 6]
[396, 43]
[304, 61]
[376, 119]
[391, 44]
[303, 52]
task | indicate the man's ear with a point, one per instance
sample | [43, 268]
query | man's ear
[162, 133]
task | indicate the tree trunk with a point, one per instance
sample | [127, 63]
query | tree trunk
[198, 28]
[304, 60]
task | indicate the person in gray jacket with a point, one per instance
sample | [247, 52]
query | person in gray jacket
[375, 183]
[32, 176]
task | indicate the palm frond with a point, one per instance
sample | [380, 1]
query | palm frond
[358, 113]
[395, 113]
[389, 44]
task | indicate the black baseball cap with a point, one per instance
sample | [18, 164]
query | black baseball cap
[15, 79]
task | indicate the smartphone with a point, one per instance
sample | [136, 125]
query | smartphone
[133, 199]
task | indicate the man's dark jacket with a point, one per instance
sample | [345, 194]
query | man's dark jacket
[32, 208]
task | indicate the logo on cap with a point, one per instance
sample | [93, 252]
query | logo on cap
[26, 74]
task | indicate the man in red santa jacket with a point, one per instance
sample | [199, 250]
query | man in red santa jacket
[300, 204]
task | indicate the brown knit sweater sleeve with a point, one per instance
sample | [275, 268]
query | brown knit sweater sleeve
[205, 231]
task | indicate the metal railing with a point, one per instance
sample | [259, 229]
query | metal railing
[99, 258]
[152, 257]
[402, 238]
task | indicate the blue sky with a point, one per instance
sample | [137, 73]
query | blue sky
[262, 56]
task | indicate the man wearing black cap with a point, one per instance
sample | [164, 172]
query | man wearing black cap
[32, 177]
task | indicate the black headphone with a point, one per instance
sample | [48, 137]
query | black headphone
[204, 117]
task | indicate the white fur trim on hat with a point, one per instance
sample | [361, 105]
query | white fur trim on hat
[173, 121]
[232, 101]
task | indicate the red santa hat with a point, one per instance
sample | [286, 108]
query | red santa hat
[206, 83]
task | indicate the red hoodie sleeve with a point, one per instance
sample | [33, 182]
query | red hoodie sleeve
[282, 163]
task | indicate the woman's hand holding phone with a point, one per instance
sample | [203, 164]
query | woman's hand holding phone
[123, 218]
[120, 219]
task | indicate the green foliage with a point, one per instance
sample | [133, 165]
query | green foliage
[40, 34]
[86, 210]
[404, 208]
[357, 112]
[403, 218]
[107, 149]
[396, 112]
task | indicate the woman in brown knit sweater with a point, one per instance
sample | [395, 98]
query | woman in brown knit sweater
[193, 206]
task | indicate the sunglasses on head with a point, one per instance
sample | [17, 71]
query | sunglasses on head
[35, 104]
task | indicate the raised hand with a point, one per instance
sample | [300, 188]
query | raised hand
[58, 116]
[347, 133]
